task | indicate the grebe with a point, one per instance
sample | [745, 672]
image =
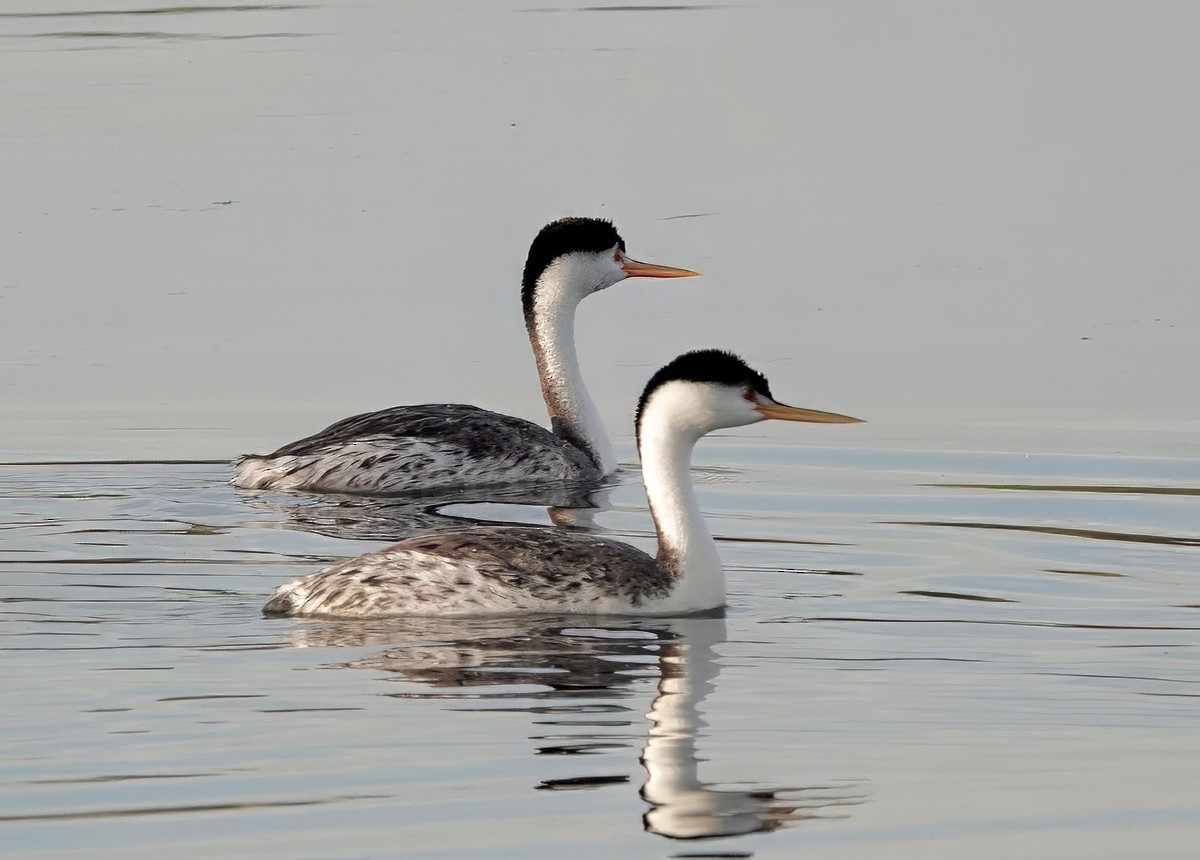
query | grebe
[437, 446]
[498, 570]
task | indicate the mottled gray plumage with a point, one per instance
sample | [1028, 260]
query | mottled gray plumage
[427, 447]
[418, 448]
[491, 570]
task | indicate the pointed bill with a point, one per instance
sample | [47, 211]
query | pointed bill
[638, 269]
[795, 413]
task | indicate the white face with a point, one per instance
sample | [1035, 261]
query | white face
[701, 407]
[582, 273]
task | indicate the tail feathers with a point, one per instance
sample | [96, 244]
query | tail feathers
[284, 601]
[258, 472]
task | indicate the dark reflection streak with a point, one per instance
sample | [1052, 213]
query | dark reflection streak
[582, 692]
[215, 592]
[135, 669]
[42, 619]
[190, 530]
[570, 710]
[1076, 488]
[1051, 624]
[154, 34]
[577, 782]
[1116, 677]
[213, 696]
[773, 540]
[1084, 572]
[953, 595]
[671, 8]
[175, 810]
[872, 659]
[167, 10]
[116, 777]
[114, 462]
[1092, 534]
[89, 600]
[795, 571]
[73, 49]
[143, 646]
[247, 562]
[269, 646]
[580, 748]
[46, 633]
[82, 497]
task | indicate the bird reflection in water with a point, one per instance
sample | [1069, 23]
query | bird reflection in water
[573, 667]
[391, 518]
[683, 807]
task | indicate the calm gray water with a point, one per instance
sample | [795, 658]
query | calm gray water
[924, 654]
[970, 627]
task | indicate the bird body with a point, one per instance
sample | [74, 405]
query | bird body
[420, 449]
[509, 570]
[483, 571]
[440, 446]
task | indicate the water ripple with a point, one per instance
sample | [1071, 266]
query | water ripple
[1062, 531]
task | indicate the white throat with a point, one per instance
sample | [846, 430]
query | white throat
[551, 327]
[670, 427]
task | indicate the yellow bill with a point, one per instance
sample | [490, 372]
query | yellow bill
[638, 269]
[795, 413]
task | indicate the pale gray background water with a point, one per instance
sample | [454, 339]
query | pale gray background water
[973, 224]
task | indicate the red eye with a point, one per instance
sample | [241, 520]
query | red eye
[748, 395]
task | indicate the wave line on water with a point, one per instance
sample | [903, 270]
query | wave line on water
[997, 622]
[116, 777]
[955, 595]
[137, 811]
[225, 462]
[1076, 488]
[165, 10]
[1059, 531]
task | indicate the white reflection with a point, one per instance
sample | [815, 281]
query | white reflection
[484, 659]
[683, 807]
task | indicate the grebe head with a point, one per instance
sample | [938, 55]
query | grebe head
[583, 256]
[710, 389]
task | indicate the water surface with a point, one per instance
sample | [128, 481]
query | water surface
[968, 627]
[915, 654]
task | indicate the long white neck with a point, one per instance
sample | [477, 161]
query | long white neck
[551, 327]
[686, 550]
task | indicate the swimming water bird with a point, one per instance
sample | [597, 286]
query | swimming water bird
[503, 570]
[439, 446]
